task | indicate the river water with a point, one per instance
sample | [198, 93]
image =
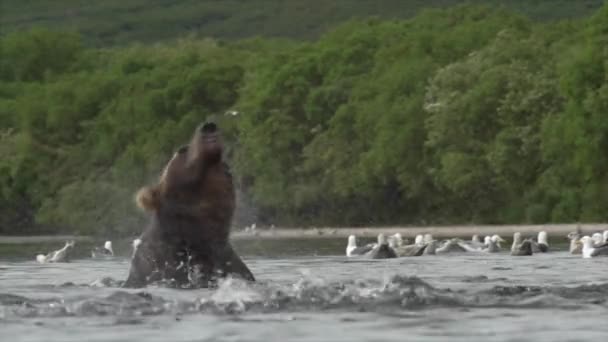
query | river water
[308, 291]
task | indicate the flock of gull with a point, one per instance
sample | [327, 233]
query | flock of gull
[63, 254]
[395, 246]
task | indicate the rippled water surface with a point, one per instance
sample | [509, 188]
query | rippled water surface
[304, 293]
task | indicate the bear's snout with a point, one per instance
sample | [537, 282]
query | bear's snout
[208, 127]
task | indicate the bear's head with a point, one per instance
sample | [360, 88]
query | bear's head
[186, 167]
[206, 146]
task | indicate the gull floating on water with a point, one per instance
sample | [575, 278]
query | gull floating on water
[469, 247]
[576, 245]
[476, 242]
[60, 255]
[516, 241]
[490, 245]
[498, 239]
[353, 250]
[431, 247]
[599, 238]
[105, 251]
[450, 246]
[396, 239]
[542, 243]
[493, 244]
[473, 245]
[591, 251]
[382, 249]
[409, 250]
[520, 248]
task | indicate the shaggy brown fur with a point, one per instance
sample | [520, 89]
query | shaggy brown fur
[192, 206]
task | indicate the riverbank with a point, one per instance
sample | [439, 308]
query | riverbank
[464, 231]
[506, 231]
[10, 239]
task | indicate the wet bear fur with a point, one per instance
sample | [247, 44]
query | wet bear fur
[187, 241]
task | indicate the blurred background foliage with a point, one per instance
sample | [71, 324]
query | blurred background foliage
[461, 114]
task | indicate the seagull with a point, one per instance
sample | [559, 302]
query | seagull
[60, 255]
[498, 239]
[450, 246]
[542, 244]
[382, 249]
[353, 250]
[591, 251]
[105, 251]
[475, 242]
[576, 246]
[409, 250]
[520, 248]
[525, 248]
[597, 239]
[493, 244]
[490, 245]
[396, 239]
[431, 248]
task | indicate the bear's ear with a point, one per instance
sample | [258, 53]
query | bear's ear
[148, 198]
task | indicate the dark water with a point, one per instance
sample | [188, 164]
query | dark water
[307, 291]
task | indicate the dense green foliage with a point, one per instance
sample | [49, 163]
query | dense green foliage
[454, 116]
[110, 22]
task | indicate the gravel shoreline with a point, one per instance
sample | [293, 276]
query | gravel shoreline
[17, 239]
[506, 231]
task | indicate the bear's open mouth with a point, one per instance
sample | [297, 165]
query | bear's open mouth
[209, 132]
[210, 138]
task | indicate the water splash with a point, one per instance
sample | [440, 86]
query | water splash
[308, 294]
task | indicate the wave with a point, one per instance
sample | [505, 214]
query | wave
[308, 294]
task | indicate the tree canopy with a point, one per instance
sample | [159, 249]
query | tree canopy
[468, 114]
[121, 22]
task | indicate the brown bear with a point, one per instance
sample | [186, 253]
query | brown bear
[187, 240]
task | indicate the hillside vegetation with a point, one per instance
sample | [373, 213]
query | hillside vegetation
[111, 22]
[460, 115]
